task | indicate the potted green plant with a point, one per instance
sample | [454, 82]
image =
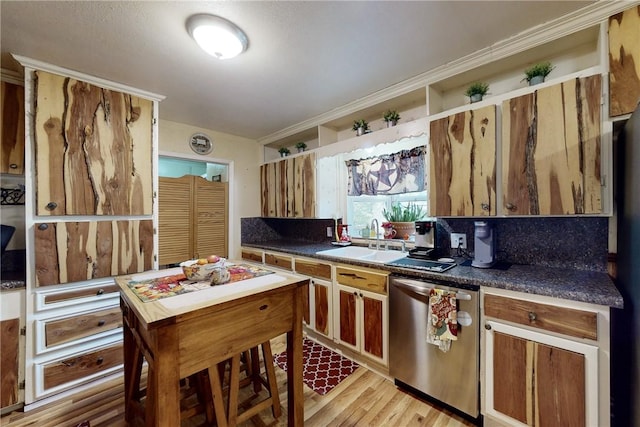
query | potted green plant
[360, 126]
[301, 146]
[476, 91]
[403, 218]
[391, 117]
[284, 151]
[537, 72]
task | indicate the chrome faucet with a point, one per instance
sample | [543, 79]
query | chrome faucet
[377, 230]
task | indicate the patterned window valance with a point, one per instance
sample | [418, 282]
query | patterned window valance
[401, 172]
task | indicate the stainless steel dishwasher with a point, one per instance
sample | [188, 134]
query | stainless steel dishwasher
[451, 377]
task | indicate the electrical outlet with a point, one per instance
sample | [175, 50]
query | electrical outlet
[329, 232]
[458, 240]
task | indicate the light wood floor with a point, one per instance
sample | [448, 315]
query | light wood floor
[363, 399]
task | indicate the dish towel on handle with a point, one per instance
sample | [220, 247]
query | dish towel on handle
[442, 325]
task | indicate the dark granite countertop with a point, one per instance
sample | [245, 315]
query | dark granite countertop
[10, 280]
[575, 285]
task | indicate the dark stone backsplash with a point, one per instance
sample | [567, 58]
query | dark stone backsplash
[576, 242]
[261, 229]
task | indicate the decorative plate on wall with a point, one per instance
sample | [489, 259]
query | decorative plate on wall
[201, 143]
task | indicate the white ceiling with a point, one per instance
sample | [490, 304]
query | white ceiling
[304, 58]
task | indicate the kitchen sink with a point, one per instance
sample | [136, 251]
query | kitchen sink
[360, 253]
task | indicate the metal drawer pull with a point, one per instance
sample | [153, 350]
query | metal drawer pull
[487, 326]
[100, 292]
[101, 323]
[532, 316]
[51, 206]
[43, 226]
[425, 290]
[100, 360]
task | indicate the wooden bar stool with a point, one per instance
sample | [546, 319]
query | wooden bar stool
[253, 376]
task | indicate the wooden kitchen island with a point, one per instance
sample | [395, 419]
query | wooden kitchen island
[184, 334]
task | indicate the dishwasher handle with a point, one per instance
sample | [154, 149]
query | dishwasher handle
[423, 290]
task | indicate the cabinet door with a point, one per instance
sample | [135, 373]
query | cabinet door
[304, 191]
[538, 379]
[624, 61]
[374, 319]
[9, 340]
[75, 251]
[93, 149]
[268, 189]
[462, 164]
[347, 312]
[321, 307]
[12, 129]
[511, 382]
[551, 150]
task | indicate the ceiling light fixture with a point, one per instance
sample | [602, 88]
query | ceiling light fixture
[217, 36]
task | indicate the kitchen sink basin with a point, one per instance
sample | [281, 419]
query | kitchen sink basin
[364, 254]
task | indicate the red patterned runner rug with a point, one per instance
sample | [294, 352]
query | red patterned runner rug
[323, 369]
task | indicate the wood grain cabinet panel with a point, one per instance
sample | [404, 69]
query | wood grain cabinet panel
[363, 279]
[9, 363]
[563, 320]
[12, 129]
[313, 269]
[93, 149]
[347, 312]
[538, 384]
[322, 295]
[463, 164]
[551, 150]
[84, 365]
[372, 315]
[279, 261]
[76, 251]
[288, 187]
[624, 61]
[76, 327]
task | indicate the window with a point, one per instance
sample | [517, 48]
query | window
[361, 210]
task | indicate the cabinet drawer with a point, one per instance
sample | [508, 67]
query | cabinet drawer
[568, 321]
[73, 294]
[252, 255]
[362, 279]
[278, 261]
[313, 268]
[84, 365]
[72, 328]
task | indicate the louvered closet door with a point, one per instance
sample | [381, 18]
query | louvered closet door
[175, 219]
[210, 218]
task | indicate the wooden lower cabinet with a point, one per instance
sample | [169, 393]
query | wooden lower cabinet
[538, 379]
[320, 307]
[9, 362]
[362, 320]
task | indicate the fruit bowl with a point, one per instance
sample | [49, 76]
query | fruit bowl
[197, 270]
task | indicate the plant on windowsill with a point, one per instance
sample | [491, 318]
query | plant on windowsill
[403, 218]
[301, 146]
[476, 91]
[284, 151]
[537, 72]
[391, 117]
[360, 126]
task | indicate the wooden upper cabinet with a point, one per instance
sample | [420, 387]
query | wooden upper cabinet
[288, 187]
[12, 128]
[93, 149]
[463, 165]
[551, 150]
[624, 61]
[77, 251]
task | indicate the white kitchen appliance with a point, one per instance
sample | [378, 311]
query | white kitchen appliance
[484, 245]
[425, 234]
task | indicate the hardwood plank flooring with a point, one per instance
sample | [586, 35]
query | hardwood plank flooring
[363, 399]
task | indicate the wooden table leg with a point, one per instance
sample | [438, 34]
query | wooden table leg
[295, 392]
[166, 376]
[132, 371]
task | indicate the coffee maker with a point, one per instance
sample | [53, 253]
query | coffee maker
[425, 236]
[484, 245]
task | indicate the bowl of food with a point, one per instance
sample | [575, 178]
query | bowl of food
[201, 269]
